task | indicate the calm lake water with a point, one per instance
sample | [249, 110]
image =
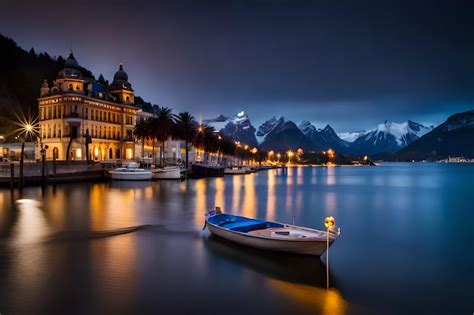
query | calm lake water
[406, 244]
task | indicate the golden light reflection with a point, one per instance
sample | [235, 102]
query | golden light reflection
[319, 300]
[299, 176]
[250, 201]
[290, 172]
[112, 208]
[31, 225]
[236, 188]
[28, 262]
[331, 175]
[201, 201]
[271, 198]
[56, 214]
[183, 186]
[149, 193]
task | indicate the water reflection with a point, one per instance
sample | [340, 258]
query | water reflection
[46, 243]
[249, 208]
[271, 198]
[300, 278]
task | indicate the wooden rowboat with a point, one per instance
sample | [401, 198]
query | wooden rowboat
[269, 235]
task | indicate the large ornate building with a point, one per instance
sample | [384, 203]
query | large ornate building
[81, 116]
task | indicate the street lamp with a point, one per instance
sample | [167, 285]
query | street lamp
[290, 155]
[27, 130]
[328, 222]
[270, 154]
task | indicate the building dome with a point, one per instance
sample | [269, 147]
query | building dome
[120, 81]
[71, 68]
[71, 62]
[120, 75]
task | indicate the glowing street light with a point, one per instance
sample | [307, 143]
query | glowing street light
[28, 129]
[328, 222]
[331, 153]
[246, 147]
[290, 155]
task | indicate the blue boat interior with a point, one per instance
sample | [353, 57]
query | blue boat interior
[241, 224]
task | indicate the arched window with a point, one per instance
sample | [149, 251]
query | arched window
[70, 87]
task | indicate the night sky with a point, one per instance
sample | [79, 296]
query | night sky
[352, 64]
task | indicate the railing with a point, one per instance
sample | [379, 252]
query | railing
[74, 115]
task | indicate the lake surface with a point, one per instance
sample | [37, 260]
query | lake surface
[123, 247]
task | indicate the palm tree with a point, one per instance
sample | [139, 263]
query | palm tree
[205, 140]
[142, 131]
[185, 130]
[163, 128]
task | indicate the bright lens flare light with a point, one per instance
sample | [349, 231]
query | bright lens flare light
[27, 127]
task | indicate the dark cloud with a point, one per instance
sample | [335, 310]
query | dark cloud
[352, 64]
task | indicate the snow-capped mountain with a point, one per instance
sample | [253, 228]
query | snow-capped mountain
[238, 127]
[284, 137]
[268, 126]
[323, 139]
[388, 137]
[454, 137]
[351, 136]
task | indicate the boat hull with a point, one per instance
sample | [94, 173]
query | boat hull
[207, 171]
[130, 175]
[306, 247]
[168, 174]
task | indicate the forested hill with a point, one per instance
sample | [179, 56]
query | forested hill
[21, 75]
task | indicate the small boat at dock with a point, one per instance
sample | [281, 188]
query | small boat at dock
[130, 172]
[269, 235]
[168, 172]
[207, 170]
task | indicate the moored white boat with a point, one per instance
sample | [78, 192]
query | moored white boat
[168, 172]
[131, 172]
[269, 235]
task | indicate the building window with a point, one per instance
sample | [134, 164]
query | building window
[70, 87]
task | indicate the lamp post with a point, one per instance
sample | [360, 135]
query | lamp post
[22, 158]
[328, 222]
[254, 151]
[43, 163]
[290, 155]
[270, 155]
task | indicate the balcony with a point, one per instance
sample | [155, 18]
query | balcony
[73, 118]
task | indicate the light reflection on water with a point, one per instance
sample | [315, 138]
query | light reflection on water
[391, 250]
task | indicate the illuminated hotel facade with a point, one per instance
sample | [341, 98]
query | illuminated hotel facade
[77, 112]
